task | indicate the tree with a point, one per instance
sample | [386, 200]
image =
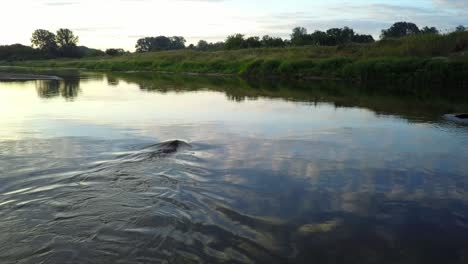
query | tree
[363, 38]
[160, 43]
[253, 42]
[17, 52]
[340, 35]
[203, 45]
[115, 52]
[400, 29]
[44, 40]
[272, 42]
[65, 38]
[144, 44]
[235, 41]
[460, 28]
[299, 36]
[320, 38]
[217, 46]
[67, 41]
[429, 30]
[177, 42]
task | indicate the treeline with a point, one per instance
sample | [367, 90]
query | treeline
[299, 37]
[48, 45]
[19, 52]
[150, 44]
[64, 43]
[331, 37]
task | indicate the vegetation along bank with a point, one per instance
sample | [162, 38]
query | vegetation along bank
[404, 53]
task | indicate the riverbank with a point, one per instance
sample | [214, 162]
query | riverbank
[422, 59]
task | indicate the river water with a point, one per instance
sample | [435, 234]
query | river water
[145, 168]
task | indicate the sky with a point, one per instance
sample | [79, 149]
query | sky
[119, 23]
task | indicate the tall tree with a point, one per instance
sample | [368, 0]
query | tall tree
[203, 45]
[400, 29]
[67, 42]
[160, 43]
[44, 40]
[340, 35]
[320, 38]
[66, 39]
[177, 42]
[143, 45]
[299, 36]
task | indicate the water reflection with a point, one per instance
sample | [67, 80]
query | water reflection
[187, 206]
[273, 172]
[112, 81]
[425, 102]
[416, 103]
[68, 89]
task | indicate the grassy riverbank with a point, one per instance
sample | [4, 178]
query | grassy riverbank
[420, 58]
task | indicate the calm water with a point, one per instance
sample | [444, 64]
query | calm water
[271, 172]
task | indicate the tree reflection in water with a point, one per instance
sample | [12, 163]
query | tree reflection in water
[68, 89]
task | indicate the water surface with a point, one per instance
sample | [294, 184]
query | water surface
[272, 172]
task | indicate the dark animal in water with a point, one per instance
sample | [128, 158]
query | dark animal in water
[159, 150]
[169, 147]
[149, 153]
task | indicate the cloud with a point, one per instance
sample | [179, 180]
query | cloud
[368, 19]
[457, 3]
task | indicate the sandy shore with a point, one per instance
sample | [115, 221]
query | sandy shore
[25, 77]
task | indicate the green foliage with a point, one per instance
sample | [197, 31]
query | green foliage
[429, 30]
[115, 52]
[400, 29]
[18, 52]
[160, 43]
[272, 42]
[203, 45]
[66, 39]
[299, 36]
[253, 42]
[420, 58]
[235, 41]
[332, 37]
[62, 44]
[45, 41]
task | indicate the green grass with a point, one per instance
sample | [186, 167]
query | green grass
[419, 58]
